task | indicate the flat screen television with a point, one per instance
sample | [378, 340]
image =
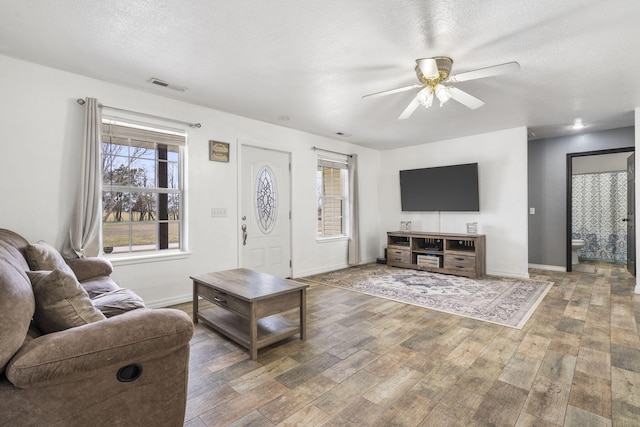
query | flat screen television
[445, 189]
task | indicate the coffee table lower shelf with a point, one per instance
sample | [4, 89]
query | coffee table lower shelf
[237, 327]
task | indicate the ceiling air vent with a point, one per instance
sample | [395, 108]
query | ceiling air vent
[162, 83]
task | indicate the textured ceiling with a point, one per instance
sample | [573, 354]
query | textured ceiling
[312, 61]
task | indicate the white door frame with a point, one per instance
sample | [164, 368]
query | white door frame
[248, 144]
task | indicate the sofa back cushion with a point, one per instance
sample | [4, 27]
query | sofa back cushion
[42, 256]
[16, 302]
[61, 302]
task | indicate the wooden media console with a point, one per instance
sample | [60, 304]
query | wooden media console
[459, 254]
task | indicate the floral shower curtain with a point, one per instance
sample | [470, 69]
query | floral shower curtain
[599, 205]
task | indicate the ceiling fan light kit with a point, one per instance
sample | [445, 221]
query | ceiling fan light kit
[425, 96]
[432, 72]
[442, 93]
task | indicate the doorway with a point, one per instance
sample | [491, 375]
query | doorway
[600, 176]
[265, 211]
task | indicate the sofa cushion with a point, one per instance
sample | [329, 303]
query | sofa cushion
[42, 256]
[16, 303]
[61, 302]
[99, 285]
[117, 302]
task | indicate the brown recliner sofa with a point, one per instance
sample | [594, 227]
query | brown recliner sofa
[118, 364]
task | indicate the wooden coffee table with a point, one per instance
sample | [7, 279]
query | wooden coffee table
[248, 305]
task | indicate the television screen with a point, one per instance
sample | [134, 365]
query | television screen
[444, 189]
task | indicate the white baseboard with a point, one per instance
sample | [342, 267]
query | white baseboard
[328, 269]
[319, 270]
[508, 274]
[167, 302]
[548, 267]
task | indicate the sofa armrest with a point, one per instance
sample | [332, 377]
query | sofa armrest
[72, 354]
[86, 268]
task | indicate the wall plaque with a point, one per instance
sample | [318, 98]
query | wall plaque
[218, 151]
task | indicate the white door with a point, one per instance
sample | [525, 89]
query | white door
[265, 222]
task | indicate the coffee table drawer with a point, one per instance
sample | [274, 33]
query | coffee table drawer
[223, 299]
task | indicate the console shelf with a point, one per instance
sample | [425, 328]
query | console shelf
[459, 254]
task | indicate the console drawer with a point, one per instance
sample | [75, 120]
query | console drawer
[460, 262]
[401, 255]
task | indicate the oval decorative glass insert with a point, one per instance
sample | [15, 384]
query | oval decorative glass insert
[266, 199]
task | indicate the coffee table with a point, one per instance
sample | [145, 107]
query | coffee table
[248, 306]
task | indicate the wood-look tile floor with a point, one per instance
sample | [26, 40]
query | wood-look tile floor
[373, 362]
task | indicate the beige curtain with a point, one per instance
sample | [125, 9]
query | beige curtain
[84, 233]
[354, 223]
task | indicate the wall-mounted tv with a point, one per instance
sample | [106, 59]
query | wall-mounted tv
[445, 189]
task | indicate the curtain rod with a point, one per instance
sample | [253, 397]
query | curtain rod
[329, 151]
[192, 125]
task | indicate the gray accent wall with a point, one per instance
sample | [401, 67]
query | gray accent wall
[547, 178]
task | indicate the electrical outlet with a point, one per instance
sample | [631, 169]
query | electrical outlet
[218, 212]
[532, 211]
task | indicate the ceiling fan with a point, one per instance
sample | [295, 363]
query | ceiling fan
[432, 72]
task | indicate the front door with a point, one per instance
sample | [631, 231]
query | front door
[631, 217]
[265, 220]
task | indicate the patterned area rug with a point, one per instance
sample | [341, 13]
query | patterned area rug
[504, 301]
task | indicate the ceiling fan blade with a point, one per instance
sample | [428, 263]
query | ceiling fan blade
[480, 73]
[429, 67]
[392, 91]
[410, 109]
[465, 99]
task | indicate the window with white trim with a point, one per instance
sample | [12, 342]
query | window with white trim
[142, 188]
[332, 188]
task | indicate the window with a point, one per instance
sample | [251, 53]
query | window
[332, 187]
[142, 188]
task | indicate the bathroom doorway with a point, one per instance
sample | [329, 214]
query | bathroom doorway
[631, 214]
[599, 213]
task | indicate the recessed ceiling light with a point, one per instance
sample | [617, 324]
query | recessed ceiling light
[577, 124]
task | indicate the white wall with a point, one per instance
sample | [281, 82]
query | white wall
[39, 166]
[502, 175]
[39, 169]
[637, 134]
